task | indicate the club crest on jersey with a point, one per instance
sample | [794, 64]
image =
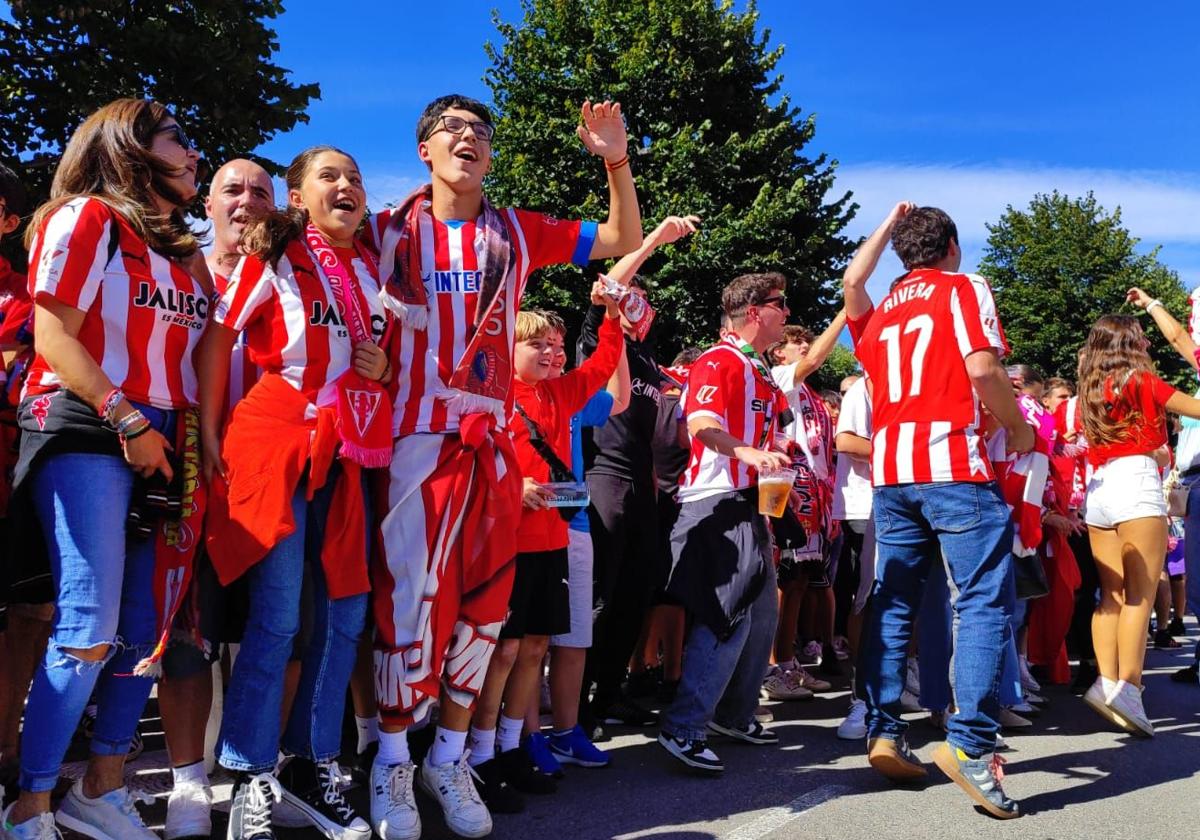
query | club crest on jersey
[363, 405]
[454, 282]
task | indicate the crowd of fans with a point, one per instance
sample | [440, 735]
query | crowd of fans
[335, 455]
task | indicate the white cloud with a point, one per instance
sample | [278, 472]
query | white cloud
[1158, 207]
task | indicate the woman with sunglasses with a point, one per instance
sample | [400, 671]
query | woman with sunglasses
[121, 297]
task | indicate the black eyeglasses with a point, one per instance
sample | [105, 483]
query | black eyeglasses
[457, 125]
[180, 137]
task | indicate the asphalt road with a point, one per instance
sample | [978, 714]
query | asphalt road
[1073, 776]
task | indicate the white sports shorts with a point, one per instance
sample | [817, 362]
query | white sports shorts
[1122, 489]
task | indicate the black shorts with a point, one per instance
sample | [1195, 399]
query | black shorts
[221, 612]
[540, 604]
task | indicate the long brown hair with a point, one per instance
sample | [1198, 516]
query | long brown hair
[1113, 356]
[108, 158]
[266, 236]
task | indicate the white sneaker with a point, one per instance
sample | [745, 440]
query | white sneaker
[780, 686]
[912, 678]
[393, 804]
[454, 789]
[854, 727]
[111, 816]
[41, 827]
[1126, 701]
[1097, 699]
[910, 702]
[1028, 683]
[189, 812]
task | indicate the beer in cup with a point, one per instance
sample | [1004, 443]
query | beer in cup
[774, 487]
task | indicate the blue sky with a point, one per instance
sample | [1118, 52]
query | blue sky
[968, 106]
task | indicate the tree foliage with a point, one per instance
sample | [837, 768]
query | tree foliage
[1061, 263]
[210, 61]
[839, 364]
[713, 134]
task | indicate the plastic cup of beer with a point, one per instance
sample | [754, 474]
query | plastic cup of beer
[774, 486]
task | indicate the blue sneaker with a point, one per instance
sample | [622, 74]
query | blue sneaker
[538, 747]
[573, 747]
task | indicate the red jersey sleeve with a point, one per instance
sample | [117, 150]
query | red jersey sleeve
[976, 323]
[576, 387]
[546, 240]
[15, 310]
[1160, 391]
[247, 295]
[859, 325]
[708, 391]
[71, 251]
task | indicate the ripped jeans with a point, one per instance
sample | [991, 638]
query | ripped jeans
[105, 597]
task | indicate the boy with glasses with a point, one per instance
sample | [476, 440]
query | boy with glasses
[455, 270]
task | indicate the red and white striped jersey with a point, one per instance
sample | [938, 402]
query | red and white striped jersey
[724, 385]
[925, 412]
[144, 313]
[292, 323]
[243, 373]
[424, 360]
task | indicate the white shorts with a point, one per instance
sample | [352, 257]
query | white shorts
[1122, 489]
[579, 588]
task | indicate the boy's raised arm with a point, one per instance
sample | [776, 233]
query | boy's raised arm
[603, 133]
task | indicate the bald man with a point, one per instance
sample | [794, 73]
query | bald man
[240, 190]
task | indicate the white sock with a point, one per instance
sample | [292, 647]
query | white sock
[368, 731]
[448, 746]
[393, 748]
[508, 733]
[190, 774]
[482, 743]
[1108, 686]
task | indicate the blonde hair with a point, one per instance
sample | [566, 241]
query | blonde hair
[108, 158]
[534, 323]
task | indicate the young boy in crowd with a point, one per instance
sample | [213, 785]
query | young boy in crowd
[540, 603]
[456, 269]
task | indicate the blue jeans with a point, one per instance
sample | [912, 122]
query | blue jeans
[250, 729]
[1191, 548]
[105, 596]
[969, 524]
[720, 681]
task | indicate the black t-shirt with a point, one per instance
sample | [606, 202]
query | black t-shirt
[623, 447]
[670, 459]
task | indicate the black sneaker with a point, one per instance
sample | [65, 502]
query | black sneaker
[694, 754]
[625, 712]
[1188, 676]
[979, 777]
[87, 725]
[1163, 640]
[1176, 628]
[754, 733]
[494, 789]
[315, 790]
[643, 683]
[360, 770]
[250, 807]
[518, 769]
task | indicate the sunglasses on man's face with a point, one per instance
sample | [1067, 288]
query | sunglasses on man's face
[177, 135]
[777, 301]
[457, 125]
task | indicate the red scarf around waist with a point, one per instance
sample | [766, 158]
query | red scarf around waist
[275, 433]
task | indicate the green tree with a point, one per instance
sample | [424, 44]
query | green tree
[210, 61]
[713, 134]
[1057, 266]
[840, 364]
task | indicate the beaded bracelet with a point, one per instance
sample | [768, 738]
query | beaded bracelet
[130, 420]
[613, 167]
[108, 405]
[138, 432]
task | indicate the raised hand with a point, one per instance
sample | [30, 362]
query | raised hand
[673, 228]
[603, 131]
[1138, 298]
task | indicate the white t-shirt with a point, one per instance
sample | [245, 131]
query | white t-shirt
[852, 487]
[1187, 450]
[811, 426]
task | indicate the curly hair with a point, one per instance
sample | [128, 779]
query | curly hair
[1112, 369]
[922, 238]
